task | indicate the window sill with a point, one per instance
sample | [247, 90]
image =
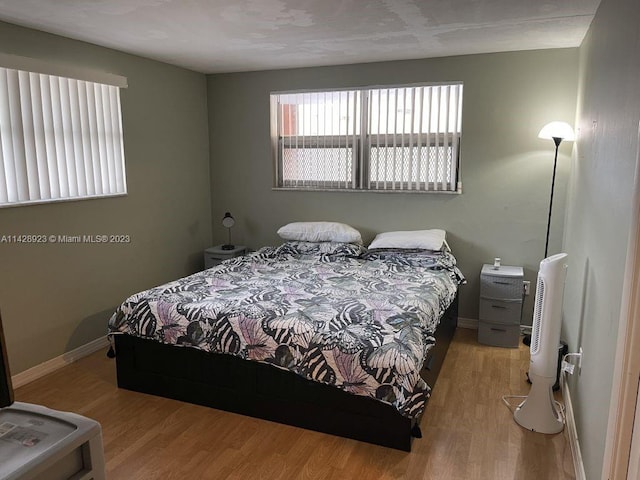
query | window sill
[353, 190]
[59, 200]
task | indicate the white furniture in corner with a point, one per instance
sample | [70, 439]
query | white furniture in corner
[39, 443]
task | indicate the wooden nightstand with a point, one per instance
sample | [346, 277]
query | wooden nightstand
[216, 255]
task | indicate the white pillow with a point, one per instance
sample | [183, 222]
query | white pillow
[320, 232]
[432, 239]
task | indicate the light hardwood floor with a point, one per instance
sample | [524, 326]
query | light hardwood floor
[468, 433]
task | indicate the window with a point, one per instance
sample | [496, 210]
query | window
[60, 139]
[389, 139]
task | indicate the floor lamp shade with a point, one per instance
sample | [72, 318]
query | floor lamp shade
[560, 130]
[556, 131]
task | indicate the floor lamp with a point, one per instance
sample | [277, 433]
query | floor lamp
[556, 131]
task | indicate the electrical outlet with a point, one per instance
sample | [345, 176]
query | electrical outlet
[527, 287]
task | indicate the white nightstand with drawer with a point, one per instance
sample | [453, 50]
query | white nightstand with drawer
[501, 298]
[216, 255]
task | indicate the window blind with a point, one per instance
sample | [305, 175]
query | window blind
[318, 139]
[404, 138]
[60, 139]
[414, 137]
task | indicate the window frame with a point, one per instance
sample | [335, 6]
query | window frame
[362, 146]
[50, 92]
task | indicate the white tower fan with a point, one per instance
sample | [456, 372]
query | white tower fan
[538, 411]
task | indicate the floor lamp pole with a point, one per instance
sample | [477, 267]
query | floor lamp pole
[557, 141]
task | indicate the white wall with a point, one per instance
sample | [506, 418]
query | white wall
[599, 210]
[55, 298]
[506, 170]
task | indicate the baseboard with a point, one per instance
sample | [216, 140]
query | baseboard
[57, 363]
[470, 323]
[570, 424]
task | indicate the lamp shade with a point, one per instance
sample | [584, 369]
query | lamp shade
[560, 130]
[228, 221]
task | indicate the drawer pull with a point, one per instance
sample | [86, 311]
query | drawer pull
[498, 306]
[501, 283]
[498, 329]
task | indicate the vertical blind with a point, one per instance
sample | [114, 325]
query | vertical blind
[391, 139]
[60, 138]
[318, 138]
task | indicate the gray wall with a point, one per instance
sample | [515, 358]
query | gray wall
[506, 169]
[599, 212]
[57, 297]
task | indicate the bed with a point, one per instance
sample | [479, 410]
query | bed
[325, 336]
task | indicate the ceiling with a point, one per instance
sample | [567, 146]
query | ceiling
[213, 36]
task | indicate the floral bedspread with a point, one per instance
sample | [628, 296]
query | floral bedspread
[362, 322]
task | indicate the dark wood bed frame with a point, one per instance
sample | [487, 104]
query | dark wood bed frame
[263, 391]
